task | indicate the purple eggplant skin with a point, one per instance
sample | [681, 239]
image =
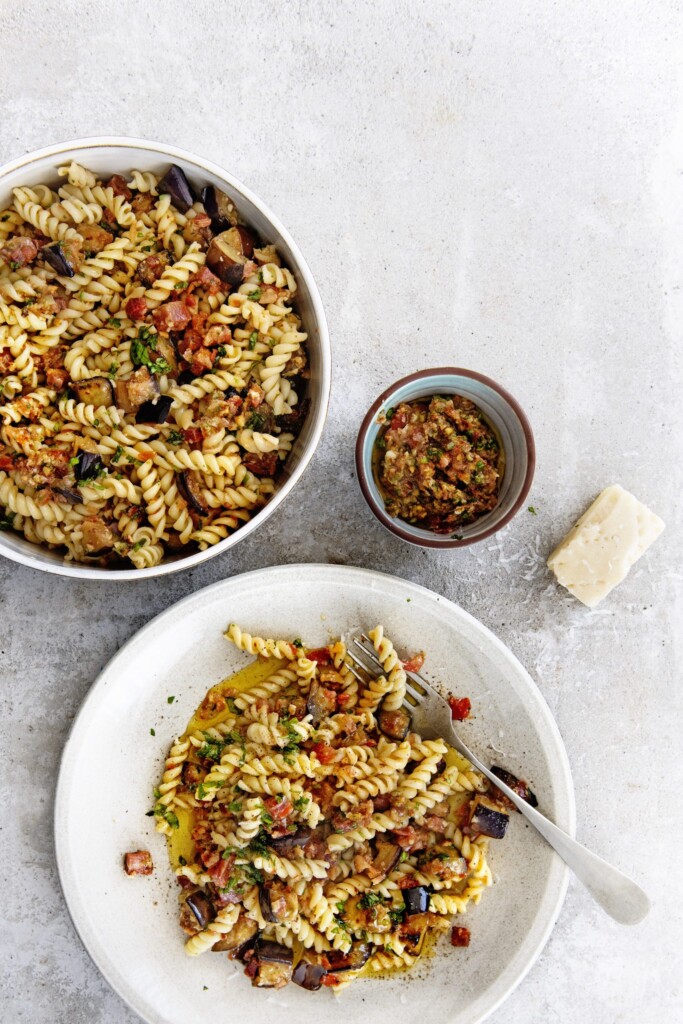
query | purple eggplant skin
[154, 412]
[239, 952]
[309, 976]
[265, 905]
[488, 819]
[273, 952]
[54, 255]
[519, 786]
[202, 908]
[73, 497]
[416, 900]
[356, 957]
[285, 846]
[219, 207]
[320, 703]
[88, 466]
[178, 187]
[394, 724]
[189, 486]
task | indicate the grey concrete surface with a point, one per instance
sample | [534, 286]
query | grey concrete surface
[497, 186]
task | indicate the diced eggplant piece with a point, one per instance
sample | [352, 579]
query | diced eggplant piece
[88, 466]
[270, 974]
[264, 904]
[488, 818]
[190, 486]
[309, 976]
[202, 907]
[519, 786]
[242, 239]
[93, 391]
[238, 939]
[167, 350]
[285, 846]
[178, 187]
[320, 703]
[154, 412]
[274, 965]
[387, 857]
[225, 258]
[138, 862]
[416, 900]
[394, 724]
[220, 208]
[58, 259]
[97, 538]
[356, 957]
[133, 391]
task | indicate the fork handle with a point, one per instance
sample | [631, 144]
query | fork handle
[617, 894]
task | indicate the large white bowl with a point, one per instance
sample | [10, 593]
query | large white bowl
[107, 156]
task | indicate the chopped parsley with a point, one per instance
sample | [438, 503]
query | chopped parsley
[253, 338]
[532, 510]
[152, 732]
[142, 350]
[266, 819]
[113, 370]
[369, 899]
[169, 700]
[6, 521]
[114, 322]
[175, 437]
[14, 265]
[235, 806]
[404, 855]
[300, 803]
[182, 861]
[139, 544]
[255, 295]
[396, 914]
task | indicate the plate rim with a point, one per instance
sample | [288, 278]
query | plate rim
[100, 682]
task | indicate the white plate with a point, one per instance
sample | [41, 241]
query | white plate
[111, 763]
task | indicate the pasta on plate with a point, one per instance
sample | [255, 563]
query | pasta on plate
[313, 835]
[152, 367]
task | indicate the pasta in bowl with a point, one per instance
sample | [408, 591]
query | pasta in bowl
[164, 362]
[314, 837]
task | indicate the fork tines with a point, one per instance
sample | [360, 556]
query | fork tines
[365, 653]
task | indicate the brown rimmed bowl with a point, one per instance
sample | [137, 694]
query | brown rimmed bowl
[506, 417]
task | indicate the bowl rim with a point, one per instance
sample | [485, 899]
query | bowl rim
[196, 558]
[392, 524]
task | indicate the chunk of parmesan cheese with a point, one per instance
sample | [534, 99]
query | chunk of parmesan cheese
[599, 550]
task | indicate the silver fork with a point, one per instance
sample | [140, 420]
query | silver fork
[617, 894]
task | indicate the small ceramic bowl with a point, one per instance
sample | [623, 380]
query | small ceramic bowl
[502, 412]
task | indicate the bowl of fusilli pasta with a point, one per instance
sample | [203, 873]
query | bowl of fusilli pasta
[164, 360]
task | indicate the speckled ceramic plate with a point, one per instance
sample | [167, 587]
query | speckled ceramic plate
[112, 761]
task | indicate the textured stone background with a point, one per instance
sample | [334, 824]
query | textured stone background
[491, 185]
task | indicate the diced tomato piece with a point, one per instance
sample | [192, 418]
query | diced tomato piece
[278, 809]
[7, 462]
[320, 655]
[343, 700]
[261, 465]
[137, 308]
[193, 437]
[201, 360]
[398, 420]
[220, 872]
[20, 250]
[460, 708]
[407, 882]
[415, 663]
[460, 937]
[171, 316]
[56, 378]
[330, 980]
[138, 862]
[119, 186]
[204, 278]
[324, 752]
